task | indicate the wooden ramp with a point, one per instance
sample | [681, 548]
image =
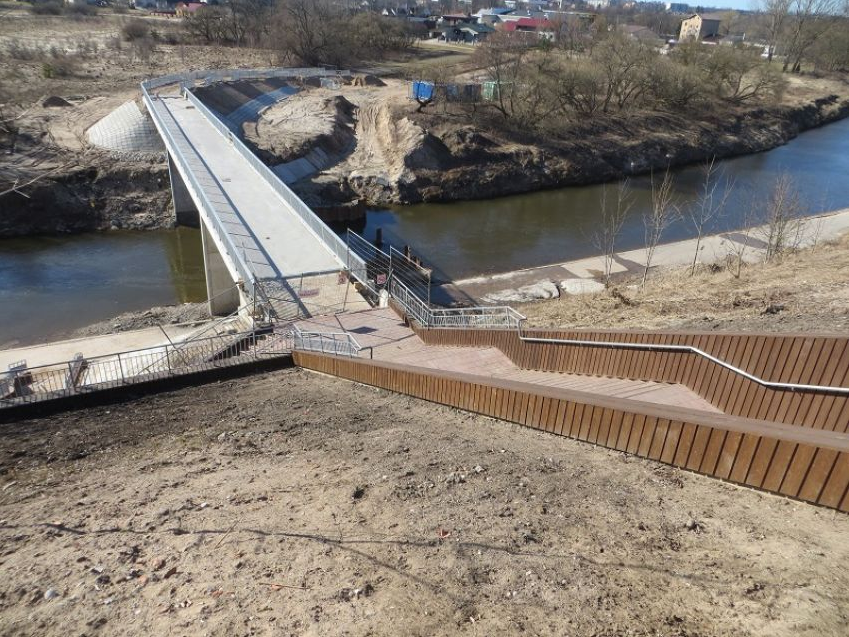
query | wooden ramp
[665, 421]
[394, 342]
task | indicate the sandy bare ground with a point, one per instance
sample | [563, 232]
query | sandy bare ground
[296, 504]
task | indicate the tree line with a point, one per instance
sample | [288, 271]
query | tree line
[310, 32]
[535, 86]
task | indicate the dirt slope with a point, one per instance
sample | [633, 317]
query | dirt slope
[803, 292]
[297, 504]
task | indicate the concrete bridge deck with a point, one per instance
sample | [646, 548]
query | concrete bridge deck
[273, 239]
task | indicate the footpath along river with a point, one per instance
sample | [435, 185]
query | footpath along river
[52, 285]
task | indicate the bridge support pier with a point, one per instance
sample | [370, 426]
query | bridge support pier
[185, 212]
[224, 297]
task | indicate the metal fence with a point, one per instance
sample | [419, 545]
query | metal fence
[377, 265]
[85, 375]
[336, 343]
[497, 317]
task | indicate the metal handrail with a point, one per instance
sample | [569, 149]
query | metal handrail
[217, 226]
[312, 222]
[336, 343]
[483, 317]
[327, 237]
[658, 347]
[49, 381]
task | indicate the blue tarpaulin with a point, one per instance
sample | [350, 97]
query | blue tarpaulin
[422, 91]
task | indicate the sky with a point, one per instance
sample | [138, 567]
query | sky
[747, 5]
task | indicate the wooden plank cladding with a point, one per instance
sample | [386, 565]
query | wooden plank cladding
[803, 463]
[801, 359]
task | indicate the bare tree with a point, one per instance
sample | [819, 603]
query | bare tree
[783, 229]
[737, 246]
[776, 12]
[710, 204]
[810, 20]
[662, 213]
[613, 216]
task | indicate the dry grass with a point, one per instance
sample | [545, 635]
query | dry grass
[807, 291]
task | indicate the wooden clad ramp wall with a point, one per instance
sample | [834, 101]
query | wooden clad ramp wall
[808, 464]
[803, 359]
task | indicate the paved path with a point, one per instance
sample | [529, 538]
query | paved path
[392, 341]
[508, 286]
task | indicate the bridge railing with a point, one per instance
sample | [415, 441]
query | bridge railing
[232, 75]
[216, 226]
[337, 247]
[85, 375]
[327, 236]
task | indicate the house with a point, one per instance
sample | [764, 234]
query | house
[542, 27]
[677, 7]
[641, 33]
[466, 32]
[700, 27]
[185, 9]
[492, 15]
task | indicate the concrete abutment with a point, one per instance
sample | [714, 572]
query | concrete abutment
[185, 211]
[221, 290]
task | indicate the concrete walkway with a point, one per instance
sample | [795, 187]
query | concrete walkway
[91, 346]
[583, 275]
[274, 240]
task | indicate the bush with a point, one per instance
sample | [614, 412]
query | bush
[79, 9]
[60, 64]
[47, 8]
[135, 29]
[18, 51]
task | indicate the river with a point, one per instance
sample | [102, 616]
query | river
[475, 237]
[51, 285]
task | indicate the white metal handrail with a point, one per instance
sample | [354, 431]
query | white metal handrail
[484, 317]
[336, 343]
[216, 225]
[658, 347]
[303, 212]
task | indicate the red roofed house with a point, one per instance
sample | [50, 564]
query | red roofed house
[541, 26]
[185, 9]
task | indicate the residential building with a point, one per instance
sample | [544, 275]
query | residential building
[639, 32]
[700, 27]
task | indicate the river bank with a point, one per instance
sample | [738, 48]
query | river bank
[380, 152]
[384, 152]
[585, 276]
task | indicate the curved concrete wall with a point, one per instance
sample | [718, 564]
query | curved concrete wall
[126, 130]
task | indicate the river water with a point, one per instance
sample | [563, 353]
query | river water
[51, 285]
[497, 235]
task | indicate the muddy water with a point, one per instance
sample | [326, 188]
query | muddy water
[467, 238]
[50, 286]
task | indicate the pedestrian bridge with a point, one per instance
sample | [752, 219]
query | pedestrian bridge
[261, 242]
[768, 411]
